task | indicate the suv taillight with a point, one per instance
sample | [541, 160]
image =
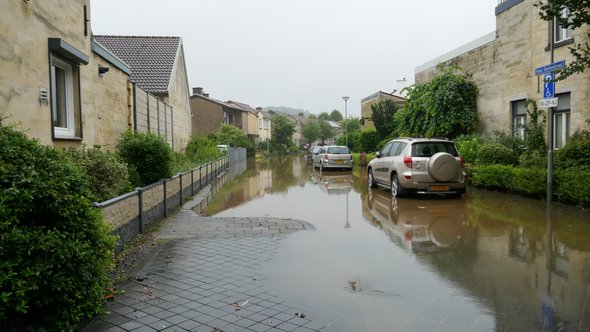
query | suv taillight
[408, 162]
[462, 162]
[326, 156]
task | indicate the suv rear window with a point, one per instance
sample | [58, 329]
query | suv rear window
[338, 150]
[427, 149]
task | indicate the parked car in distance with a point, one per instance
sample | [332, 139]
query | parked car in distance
[311, 153]
[418, 165]
[333, 157]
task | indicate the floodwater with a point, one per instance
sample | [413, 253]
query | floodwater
[486, 262]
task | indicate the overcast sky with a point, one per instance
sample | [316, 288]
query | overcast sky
[304, 54]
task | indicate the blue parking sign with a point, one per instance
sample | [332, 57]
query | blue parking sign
[549, 86]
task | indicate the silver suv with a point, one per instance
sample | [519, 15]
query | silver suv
[420, 165]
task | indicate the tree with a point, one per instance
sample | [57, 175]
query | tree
[326, 131]
[282, 131]
[233, 136]
[351, 124]
[311, 131]
[382, 116]
[324, 116]
[336, 116]
[443, 107]
[579, 15]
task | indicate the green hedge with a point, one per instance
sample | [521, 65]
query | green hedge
[55, 248]
[573, 186]
[147, 155]
[569, 186]
[496, 153]
[108, 177]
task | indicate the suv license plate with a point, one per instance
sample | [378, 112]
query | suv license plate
[339, 161]
[439, 188]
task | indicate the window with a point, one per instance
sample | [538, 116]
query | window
[518, 118]
[385, 150]
[561, 121]
[65, 99]
[560, 33]
[259, 123]
[266, 124]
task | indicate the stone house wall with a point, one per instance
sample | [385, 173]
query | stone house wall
[179, 102]
[503, 68]
[24, 59]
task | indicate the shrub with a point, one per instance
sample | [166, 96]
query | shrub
[575, 153]
[107, 176]
[518, 180]
[468, 146]
[535, 158]
[495, 153]
[573, 185]
[368, 140]
[201, 149]
[513, 143]
[148, 155]
[55, 249]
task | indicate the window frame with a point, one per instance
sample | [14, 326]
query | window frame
[72, 103]
[566, 123]
[565, 32]
[518, 117]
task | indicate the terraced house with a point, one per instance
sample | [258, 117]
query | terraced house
[66, 88]
[503, 66]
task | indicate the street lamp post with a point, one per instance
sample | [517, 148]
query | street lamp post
[346, 118]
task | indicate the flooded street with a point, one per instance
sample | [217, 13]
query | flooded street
[486, 262]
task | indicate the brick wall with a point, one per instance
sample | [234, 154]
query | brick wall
[207, 116]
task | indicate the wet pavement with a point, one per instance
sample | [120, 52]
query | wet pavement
[285, 248]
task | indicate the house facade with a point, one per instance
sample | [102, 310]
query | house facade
[264, 125]
[158, 67]
[503, 66]
[249, 119]
[375, 98]
[57, 83]
[210, 113]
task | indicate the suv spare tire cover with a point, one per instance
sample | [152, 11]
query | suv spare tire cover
[443, 167]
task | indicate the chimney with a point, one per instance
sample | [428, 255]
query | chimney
[206, 95]
[198, 91]
[259, 109]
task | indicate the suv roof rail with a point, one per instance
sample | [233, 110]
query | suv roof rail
[443, 138]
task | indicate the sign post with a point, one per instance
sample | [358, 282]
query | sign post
[548, 72]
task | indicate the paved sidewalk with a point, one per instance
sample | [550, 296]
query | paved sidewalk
[207, 277]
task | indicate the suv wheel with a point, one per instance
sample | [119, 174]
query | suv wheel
[371, 180]
[396, 188]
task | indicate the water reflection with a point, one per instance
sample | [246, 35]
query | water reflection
[333, 183]
[418, 225]
[489, 261]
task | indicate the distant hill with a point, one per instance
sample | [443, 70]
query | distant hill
[286, 110]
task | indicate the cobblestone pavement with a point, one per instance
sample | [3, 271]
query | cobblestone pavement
[207, 277]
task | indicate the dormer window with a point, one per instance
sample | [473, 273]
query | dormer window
[562, 33]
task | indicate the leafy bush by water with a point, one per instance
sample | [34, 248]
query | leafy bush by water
[55, 248]
[107, 176]
[148, 156]
[496, 154]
